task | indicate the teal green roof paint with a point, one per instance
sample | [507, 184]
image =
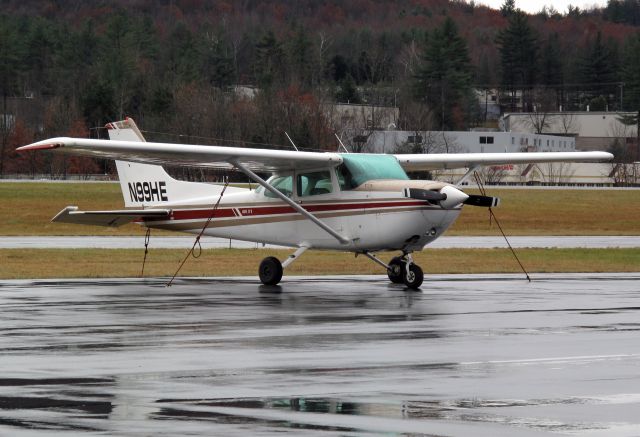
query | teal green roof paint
[364, 167]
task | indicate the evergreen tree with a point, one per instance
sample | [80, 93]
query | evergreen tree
[444, 77]
[217, 61]
[551, 72]
[117, 63]
[631, 73]
[300, 51]
[623, 11]
[74, 60]
[337, 68]
[508, 8]
[11, 53]
[99, 103]
[348, 93]
[597, 71]
[484, 82]
[182, 61]
[484, 78]
[269, 61]
[38, 59]
[518, 48]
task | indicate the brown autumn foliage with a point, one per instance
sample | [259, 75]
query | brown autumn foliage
[173, 64]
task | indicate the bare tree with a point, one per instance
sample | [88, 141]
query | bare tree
[409, 58]
[539, 122]
[558, 172]
[624, 171]
[494, 174]
[625, 174]
[542, 117]
[355, 124]
[324, 42]
[429, 142]
[568, 123]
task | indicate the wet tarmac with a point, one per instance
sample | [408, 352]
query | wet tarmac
[446, 242]
[480, 355]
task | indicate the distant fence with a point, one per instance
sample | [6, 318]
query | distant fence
[68, 177]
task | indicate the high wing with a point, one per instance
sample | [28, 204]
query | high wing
[268, 160]
[439, 161]
[261, 160]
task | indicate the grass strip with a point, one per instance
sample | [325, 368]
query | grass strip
[27, 209]
[108, 263]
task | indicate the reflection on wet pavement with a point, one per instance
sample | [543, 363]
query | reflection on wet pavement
[475, 355]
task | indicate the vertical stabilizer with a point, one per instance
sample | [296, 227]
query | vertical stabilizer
[146, 185]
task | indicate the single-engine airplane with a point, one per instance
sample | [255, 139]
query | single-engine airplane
[361, 203]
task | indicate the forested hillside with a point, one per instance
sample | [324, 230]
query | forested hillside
[173, 65]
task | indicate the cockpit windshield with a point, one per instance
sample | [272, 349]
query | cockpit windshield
[358, 168]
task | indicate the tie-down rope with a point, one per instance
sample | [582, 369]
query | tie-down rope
[493, 215]
[197, 241]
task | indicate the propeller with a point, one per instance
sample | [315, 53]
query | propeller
[428, 195]
[484, 201]
[449, 196]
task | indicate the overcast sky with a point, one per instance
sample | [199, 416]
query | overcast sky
[535, 5]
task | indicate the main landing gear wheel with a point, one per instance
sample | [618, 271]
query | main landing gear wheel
[396, 270]
[270, 271]
[413, 276]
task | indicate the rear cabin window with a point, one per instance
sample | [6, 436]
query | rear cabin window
[357, 169]
[313, 183]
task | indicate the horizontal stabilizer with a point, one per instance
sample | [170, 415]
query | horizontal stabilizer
[107, 218]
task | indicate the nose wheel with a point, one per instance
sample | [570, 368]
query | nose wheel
[413, 276]
[402, 270]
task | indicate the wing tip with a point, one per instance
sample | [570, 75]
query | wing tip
[51, 144]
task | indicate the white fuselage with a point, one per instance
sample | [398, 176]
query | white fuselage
[370, 220]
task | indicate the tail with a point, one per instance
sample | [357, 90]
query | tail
[145, 184]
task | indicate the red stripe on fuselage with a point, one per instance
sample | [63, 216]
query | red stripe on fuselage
[202, 214]
[254, 211]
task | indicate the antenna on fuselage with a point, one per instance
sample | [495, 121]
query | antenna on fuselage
[291, 141]
[341, 143]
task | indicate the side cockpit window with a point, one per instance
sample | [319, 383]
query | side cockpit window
[345, 179]
[313, 183]
[284, 184]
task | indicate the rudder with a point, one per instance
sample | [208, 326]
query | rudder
[145, 185]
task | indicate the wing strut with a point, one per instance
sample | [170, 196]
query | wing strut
[291, 203]
[466, 176]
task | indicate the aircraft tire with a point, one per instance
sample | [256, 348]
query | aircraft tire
[270, 271]
[396, 271]
[413, 279]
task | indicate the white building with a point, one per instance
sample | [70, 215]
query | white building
[593, 130]
[389, 141]
[552, 174]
